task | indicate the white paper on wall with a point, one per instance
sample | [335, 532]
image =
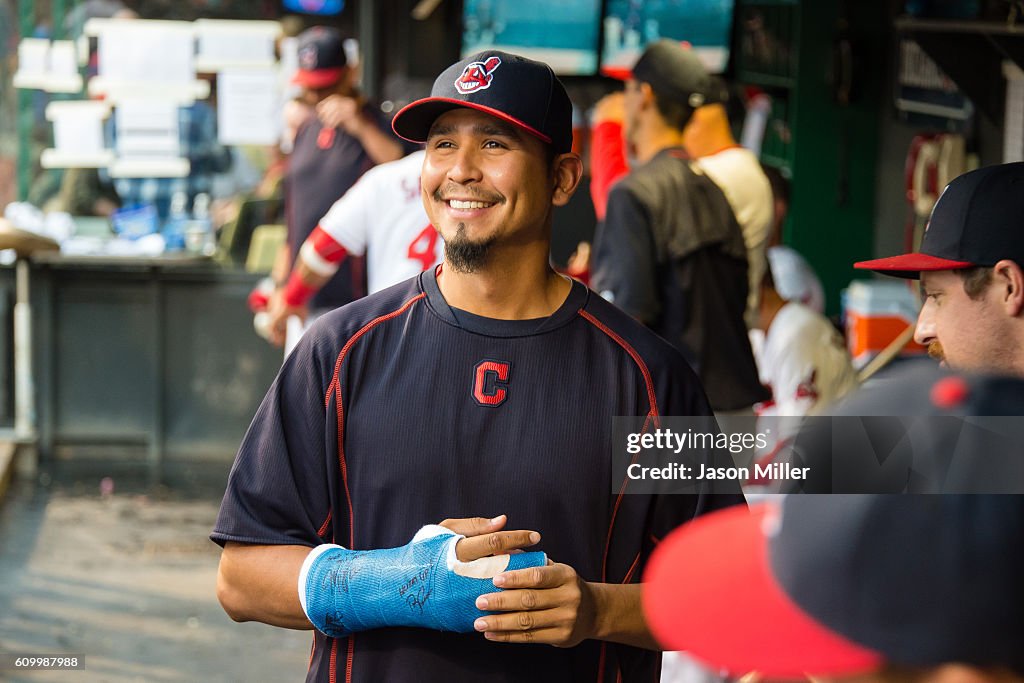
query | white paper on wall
[226, 44]
[147, 129]
[147, 51]
[77, 135]
[33, 63]
[248, 107]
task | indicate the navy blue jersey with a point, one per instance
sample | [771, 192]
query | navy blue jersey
[397, 411]
[324, 164]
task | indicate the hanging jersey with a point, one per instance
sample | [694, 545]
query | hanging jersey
[804, 362]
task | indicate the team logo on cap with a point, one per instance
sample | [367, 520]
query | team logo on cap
[477, 76]
[307, 58]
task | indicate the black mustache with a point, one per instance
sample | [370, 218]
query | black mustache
[441, 193]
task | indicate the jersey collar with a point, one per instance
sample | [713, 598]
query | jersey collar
[492, 327]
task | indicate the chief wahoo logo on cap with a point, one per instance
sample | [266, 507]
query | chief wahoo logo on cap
[307, 58]
[477, 76]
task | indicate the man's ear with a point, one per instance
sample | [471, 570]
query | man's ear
[959, 673]
[647, 94]
[1010, 281]
[567, 171]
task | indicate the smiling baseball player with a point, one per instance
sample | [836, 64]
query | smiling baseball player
[481, 391]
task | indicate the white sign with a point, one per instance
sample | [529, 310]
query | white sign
[77, 135]
[151, 59]
[33, 63]
[226, 44]
[248, 107]
[147, 51]
[147, 129]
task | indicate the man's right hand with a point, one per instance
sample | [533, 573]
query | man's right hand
[484, 537]
[278, 313]
[339, 111]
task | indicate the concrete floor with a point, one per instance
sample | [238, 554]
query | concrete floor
[126, 578]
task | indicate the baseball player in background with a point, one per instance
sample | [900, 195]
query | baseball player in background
[971, 267]
[381, 218]
[671, 250]
[485, 386]
[331, 150]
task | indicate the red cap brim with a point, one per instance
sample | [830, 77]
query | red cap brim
[619, 73]
[319, 78]
[709, 590]
[911, 265]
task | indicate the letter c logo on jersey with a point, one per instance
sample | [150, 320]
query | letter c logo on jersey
[490, 382]
[477, 76]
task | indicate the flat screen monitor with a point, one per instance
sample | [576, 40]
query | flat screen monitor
[319, 7]
[629, 25]
[562, 33]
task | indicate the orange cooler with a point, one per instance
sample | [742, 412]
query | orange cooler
[876, 312]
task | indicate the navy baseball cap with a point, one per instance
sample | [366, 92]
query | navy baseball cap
[521, 91]
[842, 585]
[674, 71]
[976, 222]
[920, 429]
[321, 58]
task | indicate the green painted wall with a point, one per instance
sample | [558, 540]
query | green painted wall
[832, 147]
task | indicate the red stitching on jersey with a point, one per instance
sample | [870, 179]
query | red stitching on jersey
[656, 540]
[334, 660]
[636, 358]
[600, 662]
[652, 414]
[632, 568]
[335, 386]
[350, 657]
[340, 412]
[323, 527]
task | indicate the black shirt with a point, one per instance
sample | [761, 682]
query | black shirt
[671, 254]
[382, 421]
[324, 164]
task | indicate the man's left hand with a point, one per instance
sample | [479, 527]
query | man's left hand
[549, 604]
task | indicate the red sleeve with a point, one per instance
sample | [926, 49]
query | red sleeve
[607, 162]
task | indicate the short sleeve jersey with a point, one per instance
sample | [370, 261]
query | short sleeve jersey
[383, 218]
[324, 164]
[398, 410]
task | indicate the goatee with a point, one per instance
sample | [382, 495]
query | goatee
[463, 254]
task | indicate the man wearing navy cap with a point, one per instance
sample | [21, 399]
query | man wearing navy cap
[971, 267]
[343, 139]
[486, 386]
